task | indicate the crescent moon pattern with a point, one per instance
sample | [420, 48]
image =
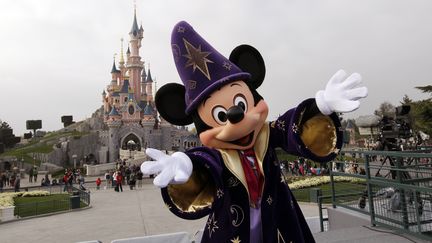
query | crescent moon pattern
[238, 211]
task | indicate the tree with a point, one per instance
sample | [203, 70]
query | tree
[421, 111]
[425, 89]
[7, 138]
[385, 109]
[4, 124]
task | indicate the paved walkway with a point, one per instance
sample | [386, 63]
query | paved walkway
[116, 215]
[113, 215]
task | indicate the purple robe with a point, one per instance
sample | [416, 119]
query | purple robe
[220, 191]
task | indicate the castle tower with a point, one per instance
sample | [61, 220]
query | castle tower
[149, 87]
[115, 74]
[134, 63]
[143, 85]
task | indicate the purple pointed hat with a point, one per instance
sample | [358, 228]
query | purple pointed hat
[202, 69]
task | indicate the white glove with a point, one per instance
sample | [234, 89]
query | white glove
[172, 169]
[340, 94]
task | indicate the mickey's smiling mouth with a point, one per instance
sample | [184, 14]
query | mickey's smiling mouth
[244, 141]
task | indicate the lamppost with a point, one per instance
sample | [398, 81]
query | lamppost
[131, 146]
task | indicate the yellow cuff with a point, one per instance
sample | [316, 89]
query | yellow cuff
[196, 194]
[319, 135]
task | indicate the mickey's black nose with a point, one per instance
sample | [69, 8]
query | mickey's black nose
[235, 114]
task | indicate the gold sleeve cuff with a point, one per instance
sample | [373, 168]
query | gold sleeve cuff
[196, 194]
[319, 135]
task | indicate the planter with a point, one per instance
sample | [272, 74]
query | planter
[7, 213]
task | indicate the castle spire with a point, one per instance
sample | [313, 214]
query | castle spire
[121, 52]
[135, 29]
[114, 68]
[149, 77]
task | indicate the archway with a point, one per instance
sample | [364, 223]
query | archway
[131, 142]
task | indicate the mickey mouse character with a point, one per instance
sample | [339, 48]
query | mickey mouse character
[235, 177]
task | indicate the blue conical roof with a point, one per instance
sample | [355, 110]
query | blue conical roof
[149, 77]
[125, 87]
[148, 110]
[114, 68]
[135, 28]
[114, 112]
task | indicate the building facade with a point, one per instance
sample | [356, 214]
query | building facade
[129, 111]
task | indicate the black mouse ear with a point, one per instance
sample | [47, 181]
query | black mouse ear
[248, 59]
[170, 103]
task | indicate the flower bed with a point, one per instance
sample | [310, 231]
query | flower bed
[6, 199]
[7, 206]
[319, 180]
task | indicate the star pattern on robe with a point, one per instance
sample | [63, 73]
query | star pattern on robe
[211, 225]
[168, 206]
[219, 193]
[295, 128]
[197, 58]
[280, 125]
[236, 240]
[269, 200]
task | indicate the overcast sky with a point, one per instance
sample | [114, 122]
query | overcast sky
[56, 56]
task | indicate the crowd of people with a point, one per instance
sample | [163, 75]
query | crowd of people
[124, 174]
[303, 167]
[10, 179]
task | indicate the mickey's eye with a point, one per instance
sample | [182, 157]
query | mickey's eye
[240, 100]
[219, 115]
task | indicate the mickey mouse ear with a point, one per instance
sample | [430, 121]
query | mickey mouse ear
[248, 59]
[170, 103]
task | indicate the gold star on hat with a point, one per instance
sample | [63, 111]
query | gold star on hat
[197, 58]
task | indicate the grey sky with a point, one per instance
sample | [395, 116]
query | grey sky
[56, 56]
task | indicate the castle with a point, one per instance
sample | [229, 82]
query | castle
[130, 113]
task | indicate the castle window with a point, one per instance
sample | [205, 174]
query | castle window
[125, 99]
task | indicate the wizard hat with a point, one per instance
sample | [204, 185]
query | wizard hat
[202, 69]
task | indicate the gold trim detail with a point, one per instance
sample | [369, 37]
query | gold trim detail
[319, 135]
[196, 194]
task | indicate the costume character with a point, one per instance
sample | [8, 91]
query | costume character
[235, 178]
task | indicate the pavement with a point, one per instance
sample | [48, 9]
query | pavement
[141, 212]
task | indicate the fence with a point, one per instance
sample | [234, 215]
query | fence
[396, 192]
[74, 199]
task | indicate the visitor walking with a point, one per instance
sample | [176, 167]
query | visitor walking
[139, 178]
[31, 175]
[17, 183]
[98, 183]
[35, 173]
[119, 180]
[1, 182]
[132, 180]
[8, 178]
[107, 179]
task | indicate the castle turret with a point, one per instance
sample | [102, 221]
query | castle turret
[143, 84]
[115, 74]
[149, 86]
[134, 63]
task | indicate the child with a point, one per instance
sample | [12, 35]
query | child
[98, 183]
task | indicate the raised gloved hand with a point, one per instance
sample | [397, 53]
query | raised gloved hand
[340, 94]
[172, 169]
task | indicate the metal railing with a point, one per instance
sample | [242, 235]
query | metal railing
[397, 189]
[77, 198]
